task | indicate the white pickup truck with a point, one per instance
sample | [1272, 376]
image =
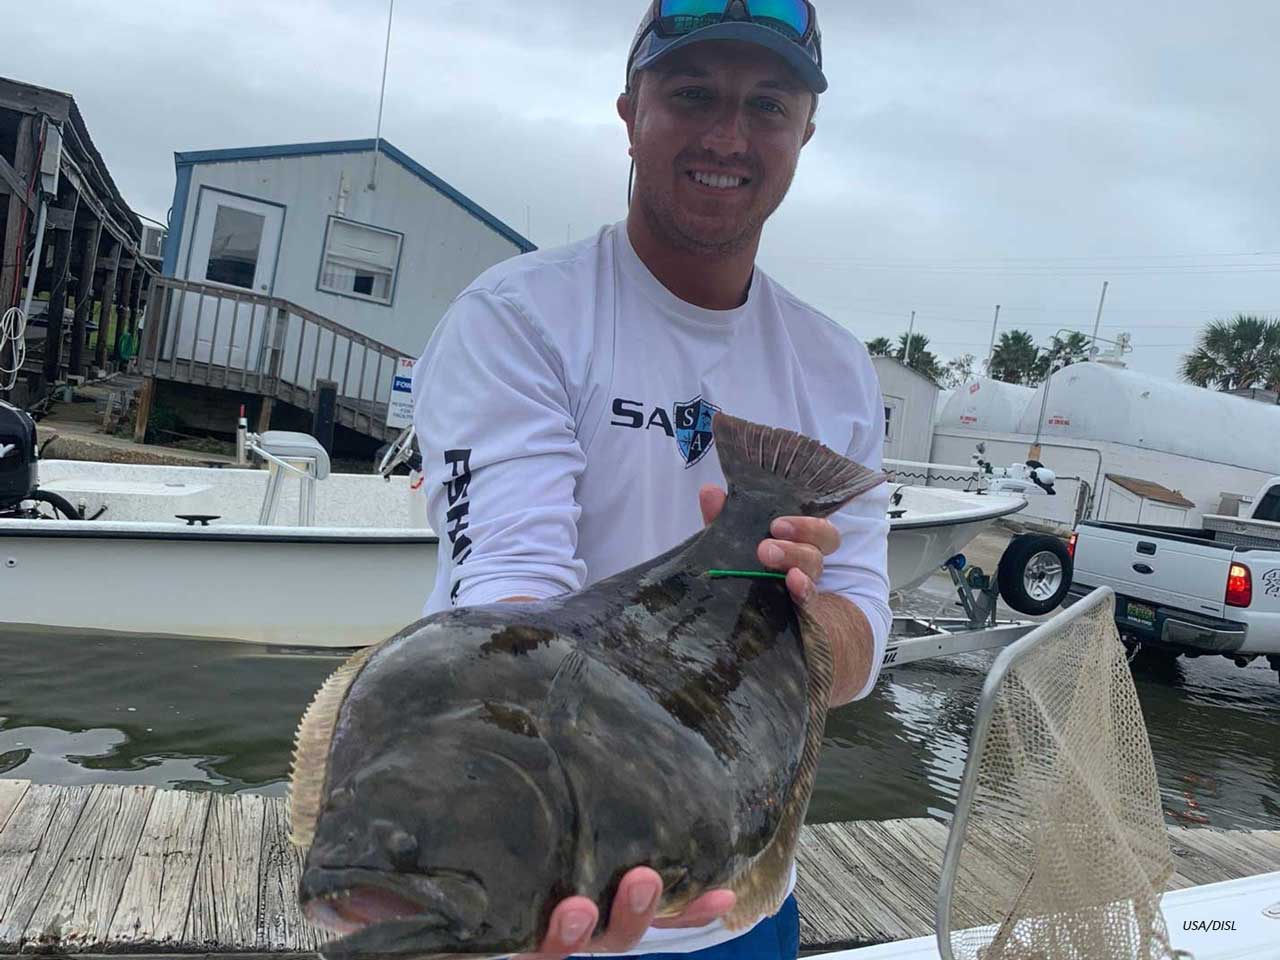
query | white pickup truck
[1215, 590]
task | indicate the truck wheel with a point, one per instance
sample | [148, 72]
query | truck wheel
[1034, 574]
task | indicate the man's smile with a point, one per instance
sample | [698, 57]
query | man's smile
[720, 182]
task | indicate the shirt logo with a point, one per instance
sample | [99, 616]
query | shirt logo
[693, 429]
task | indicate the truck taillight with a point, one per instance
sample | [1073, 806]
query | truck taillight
[1071, 545]
[1239, 586]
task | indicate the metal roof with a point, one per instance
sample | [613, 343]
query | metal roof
[1151, 491]
[235, 154]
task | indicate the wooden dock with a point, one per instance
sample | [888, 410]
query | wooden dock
[120, 871]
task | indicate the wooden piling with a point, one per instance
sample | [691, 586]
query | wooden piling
[145, 398]
[17, 212]
[108, 303]
[57, 298]
[123, 311]
[84, 295]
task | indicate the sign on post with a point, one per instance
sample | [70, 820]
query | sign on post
[400, 406]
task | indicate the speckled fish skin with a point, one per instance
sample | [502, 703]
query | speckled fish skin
[490, 761]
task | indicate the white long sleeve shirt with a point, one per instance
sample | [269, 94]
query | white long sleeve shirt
[562, 407]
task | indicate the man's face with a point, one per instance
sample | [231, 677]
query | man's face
[716, 131]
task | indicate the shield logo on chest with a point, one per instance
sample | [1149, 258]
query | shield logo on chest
[693, 429]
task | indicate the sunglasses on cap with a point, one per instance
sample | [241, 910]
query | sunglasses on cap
[794, 19]
[788, 27]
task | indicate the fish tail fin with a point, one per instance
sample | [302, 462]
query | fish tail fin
[772, 460]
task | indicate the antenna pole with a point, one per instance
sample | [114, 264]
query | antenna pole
[1093, 344]
[991, 353]
[382, 96]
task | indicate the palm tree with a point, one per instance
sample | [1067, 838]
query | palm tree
[922, 359]
[1234, 354]
[880, 347]
[1015, 358]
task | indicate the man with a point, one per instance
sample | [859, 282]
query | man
[564, 403]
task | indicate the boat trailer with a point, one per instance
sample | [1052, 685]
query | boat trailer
[925, 638]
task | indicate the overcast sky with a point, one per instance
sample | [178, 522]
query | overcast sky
[968, 154]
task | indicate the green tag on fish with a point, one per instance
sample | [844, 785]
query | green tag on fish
[745, 575]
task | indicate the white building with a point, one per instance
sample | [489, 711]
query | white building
[909, 402]
[1108, 432]
[310, 224]
[290, 267]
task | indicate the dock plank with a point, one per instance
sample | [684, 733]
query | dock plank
[224, 905]
[827, 914]
[11, 792]
[135, 871]
[281, 925]
[76, 908]
[156, 898]
[31, 847]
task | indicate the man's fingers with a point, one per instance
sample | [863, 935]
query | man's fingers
[572, 922]
[801, 587]
[711, 499]
[634, 906]
[813, 530]
[782, 555]
[702, 911]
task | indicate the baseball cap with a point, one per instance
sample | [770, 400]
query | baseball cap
[787, 27]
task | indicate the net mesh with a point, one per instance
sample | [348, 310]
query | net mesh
[1064, 854]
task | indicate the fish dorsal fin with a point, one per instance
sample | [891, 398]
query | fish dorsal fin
[311, 749]
[762, 886]
[754, 456]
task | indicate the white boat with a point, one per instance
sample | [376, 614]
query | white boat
[1232, 920]
[182, 551]
[930, 525]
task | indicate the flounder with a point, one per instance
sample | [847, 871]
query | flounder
[455, 782]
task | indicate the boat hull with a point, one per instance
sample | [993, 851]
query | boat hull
[358, 579]
[313, 588]
[938, 524]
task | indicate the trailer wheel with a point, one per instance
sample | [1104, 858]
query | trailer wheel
[1035, 574]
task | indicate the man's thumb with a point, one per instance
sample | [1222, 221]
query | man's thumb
[711, 499]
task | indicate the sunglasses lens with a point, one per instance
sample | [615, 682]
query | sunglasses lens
[790, 17]
[671, 9]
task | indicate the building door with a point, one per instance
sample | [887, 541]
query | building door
[234, 245]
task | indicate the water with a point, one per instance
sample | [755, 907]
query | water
[220, 716]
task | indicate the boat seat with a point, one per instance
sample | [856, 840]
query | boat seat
[292, 447]
[298, 453]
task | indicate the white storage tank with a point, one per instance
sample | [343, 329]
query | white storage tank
[990, 406]
[1099, 402]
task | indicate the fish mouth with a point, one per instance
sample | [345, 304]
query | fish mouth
[349, 901]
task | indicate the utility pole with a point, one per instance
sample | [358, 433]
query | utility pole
[991, 353]
[911, 331]
[382, 96]
[1093, 344]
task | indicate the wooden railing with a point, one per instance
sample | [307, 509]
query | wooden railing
[238, 340]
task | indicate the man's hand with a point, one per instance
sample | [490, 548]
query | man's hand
[634, 906]
[799, 546]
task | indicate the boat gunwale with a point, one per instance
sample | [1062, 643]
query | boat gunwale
[107, 530]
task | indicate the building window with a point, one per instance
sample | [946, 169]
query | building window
[360, 261]
[891, 407]
[234, 248]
